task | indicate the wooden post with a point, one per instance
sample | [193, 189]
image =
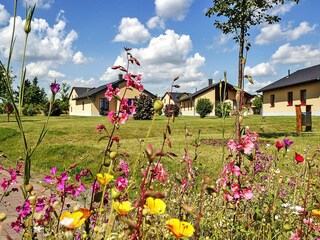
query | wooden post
[309, 113]
[298, 119]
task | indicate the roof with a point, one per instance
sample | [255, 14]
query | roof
[88, 92]
[175, 95]
[299, 77]
[212, 86]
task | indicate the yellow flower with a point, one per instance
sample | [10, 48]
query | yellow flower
[75, 219]
[155, 206]
[180, 229]
[122, 208]
[316, 213]
[105, 178]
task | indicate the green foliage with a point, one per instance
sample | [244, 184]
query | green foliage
[33, 94]
[144, 107]
[64, 96]
[30, 110]
[171, 108]
[223, 109]
[204, 107]
[56, 108]
[257, 102]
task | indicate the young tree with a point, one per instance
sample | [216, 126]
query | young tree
[144, 107]
[257, 102]
[64, 95]
[236, 17]
[33, 93]
[204, 107]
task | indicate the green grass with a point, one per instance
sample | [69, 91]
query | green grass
[75, 140]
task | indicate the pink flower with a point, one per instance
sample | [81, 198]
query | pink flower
[299, 158]
[55, 87]
[121, 183]
[247, 193]
[158, 173]
[124, 167]
[100, 127]
[110, 93]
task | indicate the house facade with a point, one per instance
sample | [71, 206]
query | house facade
[92, 101]
[212, 92]
[174, 96]
[299, 88]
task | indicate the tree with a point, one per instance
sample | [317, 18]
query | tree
[257, 102]
[171, 108]
[144, 107]
[204, 107]
[223, 109]
[237, 16]
[64, 94]
[33, 93]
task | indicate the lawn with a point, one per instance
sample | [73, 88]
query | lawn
[75, 139]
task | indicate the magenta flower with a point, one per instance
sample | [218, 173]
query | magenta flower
[100, 127]
[110, 93]
[121, 183]
[287, 143]
[124, 167]
[279, 145]
[55, 87]
[158, 173]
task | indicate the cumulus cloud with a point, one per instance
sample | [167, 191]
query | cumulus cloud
[273, 33]
[156, 22]
[81, 82]
[165, 57]
[281, 9]
[78, 58]
[55, 74]
[46, 4]
[4, 15]
[253, 88]
[42, 70]
[176, 9]
[262, 69]
[132, 31]
[287, 54]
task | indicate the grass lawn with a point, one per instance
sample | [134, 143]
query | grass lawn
[75, 140]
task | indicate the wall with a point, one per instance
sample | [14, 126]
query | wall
[281, 107]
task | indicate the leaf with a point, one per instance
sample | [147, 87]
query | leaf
[169, 142]
[169, 129]
[122, 69]
[176, 78]
[249, 78]
[115, 67]
[127, 49]
[103, 137]
[176, 86]
[171, 154]
[137, 62]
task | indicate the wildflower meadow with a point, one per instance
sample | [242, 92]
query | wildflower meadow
[262, 191]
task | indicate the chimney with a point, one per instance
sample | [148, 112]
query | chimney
[120, 77]
[288, 73]
[210, 81]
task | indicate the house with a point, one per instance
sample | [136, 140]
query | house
[174, 96]
[212, 92]
[92, 101]
[299, 88]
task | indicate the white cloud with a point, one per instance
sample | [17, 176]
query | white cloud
[281, 9]
[45, 43]
[176, 9]
[78, 58]
[306, 54]
[132, 31]
[46, 4]
[165, 57]
[55, 74]
[41, 69]
[4, 15]
[224, 38]
[252, 88]
[262, 69]
[81, 82]
[156, 22]
[273, 33]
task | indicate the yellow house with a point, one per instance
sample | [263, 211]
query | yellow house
[212, 92]
[174, 97]
[92, 101]
[299, 88]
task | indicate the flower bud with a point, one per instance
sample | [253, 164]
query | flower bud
[27, 25]
[113, 155]
[115, 193]
[29, 188]
[76, 208]
[3, 216]
[32, 200]
[158, 105]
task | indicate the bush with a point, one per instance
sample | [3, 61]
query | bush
[171, 108]
[56, 109]
[144, 107]
[223, 109]
[30, 110]
[204, 107]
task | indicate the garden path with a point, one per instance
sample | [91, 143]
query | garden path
[9, 203]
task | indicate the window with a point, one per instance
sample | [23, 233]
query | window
[290, 98]
[82, 105]
[103, 106]
[303, 96]
[272, 100]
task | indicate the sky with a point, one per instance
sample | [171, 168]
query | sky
[78, 42]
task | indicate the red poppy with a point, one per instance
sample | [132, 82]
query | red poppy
[299, 158]
[7, 108]
[279, 145]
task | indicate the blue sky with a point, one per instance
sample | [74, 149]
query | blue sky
[79, 41]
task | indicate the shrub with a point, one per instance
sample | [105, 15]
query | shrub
[30, 110]
[204, 107]
[223, 109]
[144, 107]
[56, 109]
[171, 108]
